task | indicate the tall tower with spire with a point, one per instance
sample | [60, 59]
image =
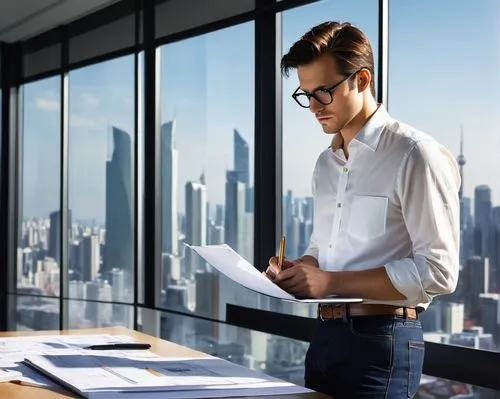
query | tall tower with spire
[461, 161]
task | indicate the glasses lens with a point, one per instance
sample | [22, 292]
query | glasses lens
[323, 96]
[302, 99]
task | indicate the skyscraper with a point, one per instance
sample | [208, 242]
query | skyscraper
[235, 211]
[241, 157]
[55, 235]
[476, 281]
[293, 238]
[90, 258]
[122, 315]
[242, 168]
[119, 206]
[219, 215]
[482, 206]
[100, 312]
[169, 188]
[482, 215]
[287, 210]
[196, 223]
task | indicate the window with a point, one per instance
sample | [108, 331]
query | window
[38, 251]
[101, 193]
[435, 85]
[303, 138]
[207, 146]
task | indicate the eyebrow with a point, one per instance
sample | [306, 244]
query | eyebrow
[316, 88]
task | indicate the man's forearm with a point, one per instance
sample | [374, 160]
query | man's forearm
[369, 284]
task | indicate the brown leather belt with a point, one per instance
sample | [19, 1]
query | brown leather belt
[345, 311]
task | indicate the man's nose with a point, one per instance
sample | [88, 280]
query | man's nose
[315, 105]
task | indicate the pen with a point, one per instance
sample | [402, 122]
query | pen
[119, 346]
[281, 254]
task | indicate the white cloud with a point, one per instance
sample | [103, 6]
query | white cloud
[84, 122]
[47, 104]
[89, 99]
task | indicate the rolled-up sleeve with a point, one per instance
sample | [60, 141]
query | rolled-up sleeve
[427, 187]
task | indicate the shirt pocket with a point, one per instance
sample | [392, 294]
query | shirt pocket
[368, 217]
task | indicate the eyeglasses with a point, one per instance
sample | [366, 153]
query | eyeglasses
[323, 95]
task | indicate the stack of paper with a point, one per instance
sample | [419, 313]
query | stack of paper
[14, 349]
[116, 376]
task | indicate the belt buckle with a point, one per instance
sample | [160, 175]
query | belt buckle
[320, 312]
[335, 309]
[339, 312]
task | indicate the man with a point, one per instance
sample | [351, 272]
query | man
[386, 224]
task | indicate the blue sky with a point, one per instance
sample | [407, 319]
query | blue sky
[443, 73]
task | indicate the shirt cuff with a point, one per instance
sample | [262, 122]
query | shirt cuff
[404, 276]
[312, 251]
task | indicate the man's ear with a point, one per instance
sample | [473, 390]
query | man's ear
[364, 79]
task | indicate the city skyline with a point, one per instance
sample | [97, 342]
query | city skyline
[479, 276]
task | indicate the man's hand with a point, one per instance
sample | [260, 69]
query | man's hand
[273, 269]
[305, 281]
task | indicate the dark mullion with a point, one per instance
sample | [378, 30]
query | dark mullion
[63, 184]
[383, 51]
[137, 208]
[11, 109]
[267, 139]
[152, 226]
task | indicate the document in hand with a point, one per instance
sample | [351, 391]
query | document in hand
[230, 263]
[116, 376]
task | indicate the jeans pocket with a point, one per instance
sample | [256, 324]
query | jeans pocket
[416, 350]
[373, 341]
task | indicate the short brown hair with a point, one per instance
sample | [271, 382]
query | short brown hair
[348, 45]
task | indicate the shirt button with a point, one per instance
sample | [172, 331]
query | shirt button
[329, 246]
[339, 205]
[346, 170]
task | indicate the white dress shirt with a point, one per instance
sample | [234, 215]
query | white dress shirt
[393, 203]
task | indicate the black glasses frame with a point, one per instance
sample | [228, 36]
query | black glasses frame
[296, 95]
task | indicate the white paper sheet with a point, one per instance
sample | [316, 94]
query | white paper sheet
[234, 266]
[14, 349]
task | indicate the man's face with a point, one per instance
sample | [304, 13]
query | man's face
[347, 102]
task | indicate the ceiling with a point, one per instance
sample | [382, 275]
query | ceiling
[22, 19]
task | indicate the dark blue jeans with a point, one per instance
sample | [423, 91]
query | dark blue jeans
[366, 357]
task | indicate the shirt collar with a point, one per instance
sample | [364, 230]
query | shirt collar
[369, 134]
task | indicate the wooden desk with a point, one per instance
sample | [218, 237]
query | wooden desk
[159, 346]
